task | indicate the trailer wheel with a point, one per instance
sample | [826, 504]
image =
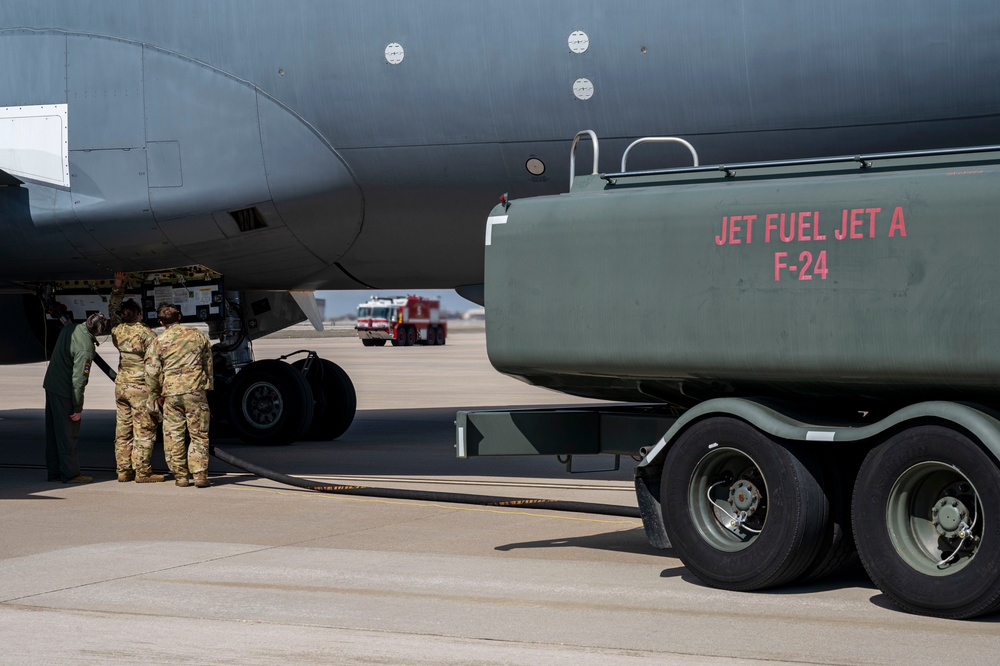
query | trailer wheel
[368, 342]
[925, 523]
[336, 400]
[742, 511]
[379, 342]
[270, 402]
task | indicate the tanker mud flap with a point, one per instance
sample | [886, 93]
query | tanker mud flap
[647, 494]
[567, 432]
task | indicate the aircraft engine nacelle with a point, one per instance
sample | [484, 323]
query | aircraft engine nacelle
[167, 160]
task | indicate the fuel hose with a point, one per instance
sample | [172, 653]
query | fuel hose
[427, 496]
[414, 495]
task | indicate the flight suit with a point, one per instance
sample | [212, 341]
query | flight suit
[135, 431]
[64, 384]
[179, 369]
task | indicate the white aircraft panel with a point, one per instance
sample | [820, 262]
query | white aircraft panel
[34, 143]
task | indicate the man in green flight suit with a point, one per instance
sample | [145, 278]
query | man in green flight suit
[65, 381]
[135, 431]
[178, 374]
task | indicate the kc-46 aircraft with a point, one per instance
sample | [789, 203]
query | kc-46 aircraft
[237, 154]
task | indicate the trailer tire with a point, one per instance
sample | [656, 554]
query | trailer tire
[336, 400]
[774, 483]
[270, 402]
[838, 550]
[368, 342]
[912, 494]
[379, 342]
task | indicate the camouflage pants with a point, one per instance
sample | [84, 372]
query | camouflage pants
[188, 412]
[135, 431]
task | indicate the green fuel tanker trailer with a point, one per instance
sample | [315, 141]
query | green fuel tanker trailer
[808, 351]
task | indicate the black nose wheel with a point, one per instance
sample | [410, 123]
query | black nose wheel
[270, 402]
[336, 400]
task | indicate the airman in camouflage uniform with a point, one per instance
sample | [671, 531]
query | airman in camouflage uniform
[178, 374]
[135, 432]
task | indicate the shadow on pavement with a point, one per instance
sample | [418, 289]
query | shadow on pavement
[408, 442]
[629, 541]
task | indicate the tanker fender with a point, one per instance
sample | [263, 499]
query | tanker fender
[980, 422]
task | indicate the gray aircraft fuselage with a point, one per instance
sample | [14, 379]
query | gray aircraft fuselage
[366, 142]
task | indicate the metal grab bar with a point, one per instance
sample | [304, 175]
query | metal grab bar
[659, 139]
[572, 155]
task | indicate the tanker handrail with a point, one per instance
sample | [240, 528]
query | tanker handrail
[659, 139]
[572, 154]
[865, 162]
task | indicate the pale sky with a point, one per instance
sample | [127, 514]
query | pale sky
[344, 302]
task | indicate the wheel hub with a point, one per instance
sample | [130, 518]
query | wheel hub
[744, 497]
[933, 515]
[950, 516]
[262, 405]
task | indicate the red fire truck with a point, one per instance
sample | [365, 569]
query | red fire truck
[403, 320]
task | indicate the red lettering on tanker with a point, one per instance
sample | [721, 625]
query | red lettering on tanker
[805, 226]
[898, 224]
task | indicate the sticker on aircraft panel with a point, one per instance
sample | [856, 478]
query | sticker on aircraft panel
[394, 54]
[579, 42]
[583, 89]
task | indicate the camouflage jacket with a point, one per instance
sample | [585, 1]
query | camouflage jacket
[179, 361]
[131, 340]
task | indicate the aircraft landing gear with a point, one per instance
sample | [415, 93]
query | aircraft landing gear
[271, 401]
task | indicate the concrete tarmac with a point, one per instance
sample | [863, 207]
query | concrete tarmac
[252, 572]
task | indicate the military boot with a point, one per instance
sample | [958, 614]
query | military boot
[201, 480]
[182, 481]
[150, 478]
[124, 477]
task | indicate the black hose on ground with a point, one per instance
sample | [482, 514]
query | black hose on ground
[415, 495]
[427, 496]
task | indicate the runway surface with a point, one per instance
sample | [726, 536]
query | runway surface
[250, 572]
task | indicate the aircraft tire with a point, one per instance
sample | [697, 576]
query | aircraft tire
[336, 399]
[913, 494]
[786, 512]
[270, 402]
